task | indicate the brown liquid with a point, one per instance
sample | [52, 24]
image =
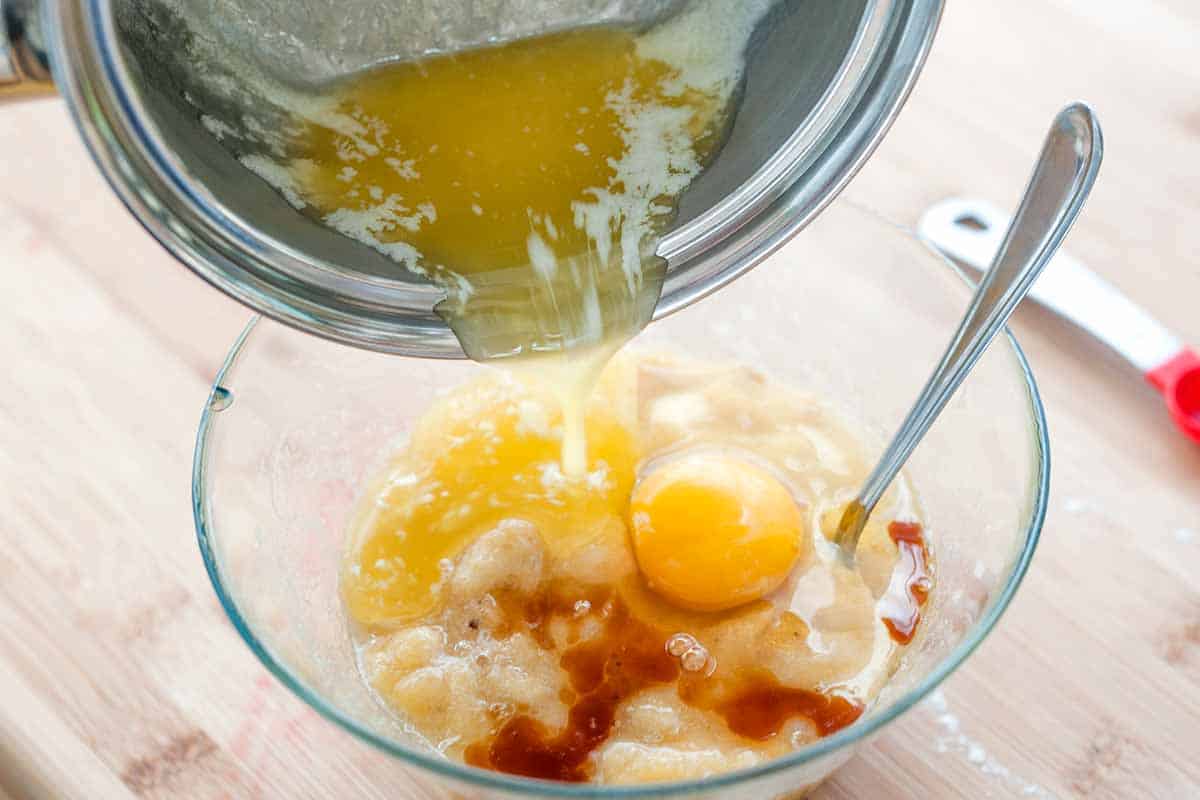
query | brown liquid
[627, 656]
[905, 598]
[760, 710]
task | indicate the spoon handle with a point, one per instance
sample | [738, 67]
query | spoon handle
[1064, 175]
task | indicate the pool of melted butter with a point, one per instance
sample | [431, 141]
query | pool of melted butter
[488, 148]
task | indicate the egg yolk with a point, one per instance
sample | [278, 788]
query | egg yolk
[712, 532]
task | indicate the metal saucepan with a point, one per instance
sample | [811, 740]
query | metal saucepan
[824, 80]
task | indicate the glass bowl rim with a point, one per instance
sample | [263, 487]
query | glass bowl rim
[542, 788]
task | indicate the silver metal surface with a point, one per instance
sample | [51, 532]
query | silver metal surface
[824, 80]
[302, 42]
[24, 64]
[970, 232]
[1063, 178]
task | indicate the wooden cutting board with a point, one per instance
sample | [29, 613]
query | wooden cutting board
[120, 677]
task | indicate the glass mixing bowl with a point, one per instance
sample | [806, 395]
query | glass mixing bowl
[854, 309]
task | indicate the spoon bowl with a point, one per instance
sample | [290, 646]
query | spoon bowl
[1179, 382]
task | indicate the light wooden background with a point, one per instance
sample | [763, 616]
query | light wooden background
[120, 677]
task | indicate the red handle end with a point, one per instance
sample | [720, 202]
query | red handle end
[1179, 381]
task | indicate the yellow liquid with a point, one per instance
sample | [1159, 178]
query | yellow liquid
[486, 453]
[507, 172]
[530, 180]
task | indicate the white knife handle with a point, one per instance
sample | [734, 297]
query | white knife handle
[970, 231]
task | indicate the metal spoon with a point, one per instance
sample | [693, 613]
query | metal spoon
[1061, 181]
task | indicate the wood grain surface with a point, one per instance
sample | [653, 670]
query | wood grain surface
[120, 676]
